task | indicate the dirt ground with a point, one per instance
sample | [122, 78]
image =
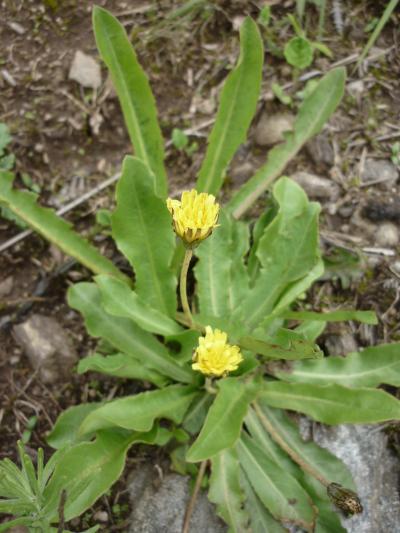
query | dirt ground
[68, 139]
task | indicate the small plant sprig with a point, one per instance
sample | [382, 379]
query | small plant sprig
[233, 353]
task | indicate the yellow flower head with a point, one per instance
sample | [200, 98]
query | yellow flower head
[194, 216]
[214, 356]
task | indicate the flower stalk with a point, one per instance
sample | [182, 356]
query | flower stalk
[183, 287]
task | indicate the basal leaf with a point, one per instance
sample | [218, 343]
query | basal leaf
[332, 404]
[369, 368]
[237, 106]
[197, 412]
[224, 419]
[139, 412]
[261, 520]
[281, 494]
[134, 93]
[366, 317]
[287, 251]
[314, 112]
[88, 469]
[54, 228]
[220, 272]
[141, 227]
[124, 334]
[119, 300]
[65, 430]
[225, 490]
[121, 365]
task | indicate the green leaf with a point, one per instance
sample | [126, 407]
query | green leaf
[281, 494]
[313, 113]
[139, 412]
[88, 469]
[141, 227]
[5, 137]
[183, 344]
[261, 521]
[299, 52]
[22, 521]
[287, 251]
[290, 347]
[366, 317]
[179, 139]
[121, 365]
[124, 334]
[134, 93]
[225, 490]
[224, 419]
[237, 106]
[220, 272]
[197, 412]
[53, 228]
[333, 404]
[369, 368]
[65, 430]
[119, 300]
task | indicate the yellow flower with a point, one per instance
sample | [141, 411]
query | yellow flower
[194, 216]
[214, 356]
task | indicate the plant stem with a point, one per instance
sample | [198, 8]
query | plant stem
[183, 290]
[285, 446]
[190, 507]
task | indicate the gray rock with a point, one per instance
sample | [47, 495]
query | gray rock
[387, 234]
[6, 286]
[341, 344]
[379, 170]
[270, 128]
[85, 70]
[241, 173]
[320, 150]
[317, 187]
[375, 470]
[159, 505]
[47, 346]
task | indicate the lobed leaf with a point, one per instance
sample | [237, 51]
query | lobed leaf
[369, 368]
[287, 251]
[121, 365]
[313, 113]
[332, 404]
[54, 229]
[65, 430]
[124, 334]
[119, 300]
[366, 317]
[237, 106]
[88, 469]
[220, 272]
[134, 93]
[141, 227]
[139, 412]
[280, 492]
[224, 420]
[225, 490]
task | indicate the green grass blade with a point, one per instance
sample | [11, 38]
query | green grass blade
[134, 92]
[237, 106]
[54, 229]
[313, 113]
[379, 27]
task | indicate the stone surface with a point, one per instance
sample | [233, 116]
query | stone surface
[6, 286]
[317, 187]
[387, 234]
[375, 470]
[379, 170]
[270, 128]
[47, 346]
[159, 505]
[320, 150]
[341, 344]
[85, 70]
